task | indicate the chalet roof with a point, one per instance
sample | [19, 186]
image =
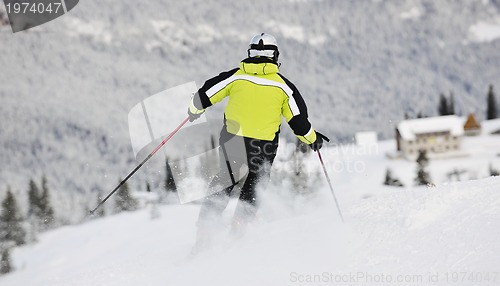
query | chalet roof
[412, 127]
[471, 123]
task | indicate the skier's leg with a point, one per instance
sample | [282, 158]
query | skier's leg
[213, 205]
[229, 163]
[247, 204]
[260, 158]
[209, 220]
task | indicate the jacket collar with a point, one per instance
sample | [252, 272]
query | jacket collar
[259, 66]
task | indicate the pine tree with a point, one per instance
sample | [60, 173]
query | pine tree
[11, 229]
[390, 180]
[446, 105]
[169, 181]
[443, 105]
[423, 177]
[5, 265]
[33, 199]
[100, 212]
[124, 200]
[46, 212]
[493, 171]
[491, 112]
[451, 104]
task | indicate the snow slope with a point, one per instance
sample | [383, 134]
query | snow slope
[416, 234]
[406, 237]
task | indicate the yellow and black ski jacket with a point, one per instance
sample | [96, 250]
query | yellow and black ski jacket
[258, 96]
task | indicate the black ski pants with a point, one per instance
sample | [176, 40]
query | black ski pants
[234, 153]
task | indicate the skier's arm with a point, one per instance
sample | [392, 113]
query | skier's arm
[294, 110]
[212, 91]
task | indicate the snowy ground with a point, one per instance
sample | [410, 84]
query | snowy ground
[443, 235]
[410, 235]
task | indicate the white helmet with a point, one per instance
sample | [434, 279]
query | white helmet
[263, 45]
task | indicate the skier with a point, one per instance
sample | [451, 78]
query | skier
[258, 96]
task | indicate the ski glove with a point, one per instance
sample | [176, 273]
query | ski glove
[193, 116]
[319, 141]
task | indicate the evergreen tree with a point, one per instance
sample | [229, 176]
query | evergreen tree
[124, 200]
[493, 171]
[46, 212]
[491, 112]
[100, 212]
[33, 199]
[446, 105]
[11, 229]
[390, 180]
[33, 211]
[423, 177]
[421, 115]
[443, 105]
[451, 104]
[169, 181]
[5, 265]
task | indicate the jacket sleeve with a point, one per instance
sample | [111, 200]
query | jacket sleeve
[212, 91]
[294, 110]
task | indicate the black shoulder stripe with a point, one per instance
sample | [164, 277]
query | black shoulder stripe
[300, 124]
[201, 100]
[297, 96]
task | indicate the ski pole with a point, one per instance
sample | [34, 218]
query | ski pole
[330, 184]
[140, 165]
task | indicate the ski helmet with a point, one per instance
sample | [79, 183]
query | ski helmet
[263, 45]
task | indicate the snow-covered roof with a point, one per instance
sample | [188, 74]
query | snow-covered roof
[450, 123]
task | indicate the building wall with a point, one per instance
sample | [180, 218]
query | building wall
[439, 142]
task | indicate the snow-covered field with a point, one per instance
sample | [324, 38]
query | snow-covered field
[415, 235]
[443, 235]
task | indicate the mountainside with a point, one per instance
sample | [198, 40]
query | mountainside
[67, 86]
[437, 236]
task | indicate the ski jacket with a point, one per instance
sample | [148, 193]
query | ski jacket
[258, 96]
